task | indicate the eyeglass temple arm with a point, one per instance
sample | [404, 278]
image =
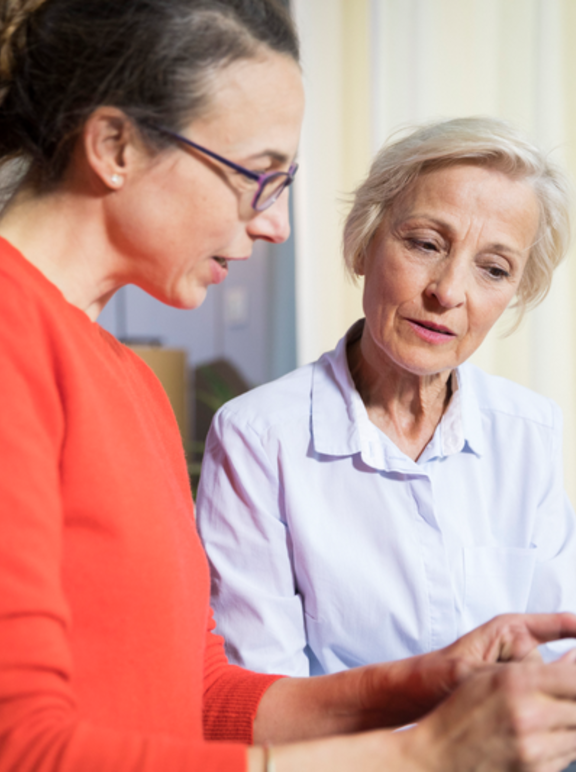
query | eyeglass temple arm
[231, 164]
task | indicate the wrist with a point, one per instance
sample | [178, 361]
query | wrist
[370, 751]
[399, 693]
[255, 759]
[269, 765]
[419, 749]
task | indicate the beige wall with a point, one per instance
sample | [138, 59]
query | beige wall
[372, 66]
[334, 153]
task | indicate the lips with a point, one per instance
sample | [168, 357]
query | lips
[425, 324]
[219, 266]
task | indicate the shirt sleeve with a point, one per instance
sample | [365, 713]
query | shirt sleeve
[554, 582]
[41, 729]
[256, 603]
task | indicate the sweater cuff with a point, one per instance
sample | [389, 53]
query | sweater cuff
[231, 704]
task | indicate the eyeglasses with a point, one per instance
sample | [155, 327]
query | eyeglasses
[271, 185]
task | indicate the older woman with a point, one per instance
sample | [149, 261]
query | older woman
[390, 497]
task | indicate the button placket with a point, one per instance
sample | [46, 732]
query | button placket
[443, 626]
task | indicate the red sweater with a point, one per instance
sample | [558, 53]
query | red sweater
[107, 661]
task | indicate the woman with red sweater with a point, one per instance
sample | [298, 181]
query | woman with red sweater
[150, 142]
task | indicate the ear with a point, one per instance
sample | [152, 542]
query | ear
[108, 141]
[359, 261]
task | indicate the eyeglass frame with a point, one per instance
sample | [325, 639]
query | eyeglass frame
[261, 179]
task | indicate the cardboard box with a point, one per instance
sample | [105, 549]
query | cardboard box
[171, 367]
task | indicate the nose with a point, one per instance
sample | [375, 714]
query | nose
[448, 284]
[273, 224]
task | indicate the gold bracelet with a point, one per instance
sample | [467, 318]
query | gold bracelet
[269, 765]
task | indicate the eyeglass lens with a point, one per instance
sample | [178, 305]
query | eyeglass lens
[271, 190]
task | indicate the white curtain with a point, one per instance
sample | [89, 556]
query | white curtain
[373, 66]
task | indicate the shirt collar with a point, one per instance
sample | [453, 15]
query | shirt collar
[336, 414]
[471, 414]
[341, 427]
[449, 437]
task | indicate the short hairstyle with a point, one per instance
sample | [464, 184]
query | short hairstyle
[483, 141]
[153, 59]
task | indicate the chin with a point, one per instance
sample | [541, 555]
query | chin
[423, 368]
[196, 301]
[188, 295]
[187, 300]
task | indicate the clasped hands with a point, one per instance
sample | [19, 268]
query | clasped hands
[499, 705]
[486, 702]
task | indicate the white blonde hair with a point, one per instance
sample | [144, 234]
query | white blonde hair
[484, 141]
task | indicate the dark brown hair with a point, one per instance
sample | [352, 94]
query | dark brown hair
[153, 59]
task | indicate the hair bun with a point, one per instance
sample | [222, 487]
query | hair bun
[13, 15]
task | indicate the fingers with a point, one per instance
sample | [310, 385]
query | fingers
[561, 625]
[512, 637]
[523, 682]
[539, 716]
[547, 751]
[515, 716]
[520, 633]
[556, 766]
[568, 657]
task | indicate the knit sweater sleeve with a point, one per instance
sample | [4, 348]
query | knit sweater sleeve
[231, 694]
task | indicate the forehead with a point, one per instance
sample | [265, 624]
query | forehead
[466, 195]
[255, 101]
[470, 188]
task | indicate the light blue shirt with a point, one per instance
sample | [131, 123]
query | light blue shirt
[331, 548]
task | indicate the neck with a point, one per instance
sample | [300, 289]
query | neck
[62, 234]
[407, 407]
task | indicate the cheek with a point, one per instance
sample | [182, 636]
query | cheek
[378, 300]
[394, 286]
[485, 313]
[170, 201]
[146, 208]
[392, 280]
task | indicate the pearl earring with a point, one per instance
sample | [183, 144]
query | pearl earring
[116, 180]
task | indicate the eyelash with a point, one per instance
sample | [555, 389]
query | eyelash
[495, 272]
[423, 244]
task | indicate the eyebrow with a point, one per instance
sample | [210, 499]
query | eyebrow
[508, 250]
[496, 246]
[275, 155]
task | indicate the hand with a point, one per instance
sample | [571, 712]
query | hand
[505, 717]
[513, 717]
[510, 638]
[401, 692]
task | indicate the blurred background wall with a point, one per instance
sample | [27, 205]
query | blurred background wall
[371, 67]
